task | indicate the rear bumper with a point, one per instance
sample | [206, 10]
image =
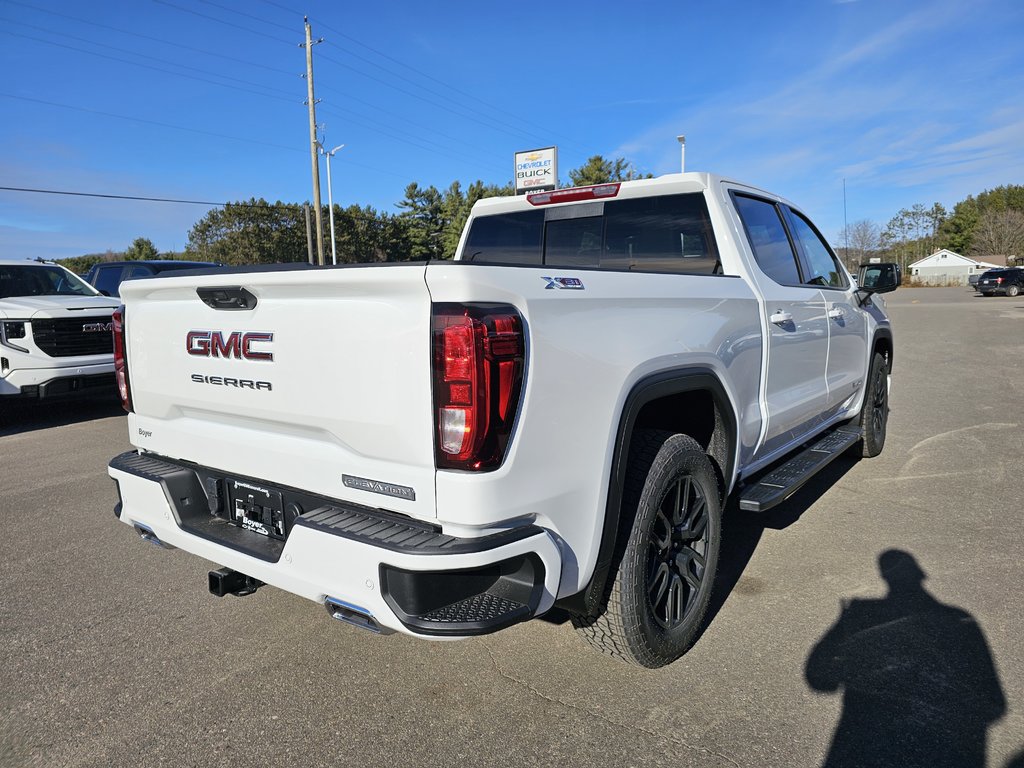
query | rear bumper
[408, 576]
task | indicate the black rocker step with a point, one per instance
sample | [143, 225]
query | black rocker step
[785, 480]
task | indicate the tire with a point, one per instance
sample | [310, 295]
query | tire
[1012, 291]
[662, 585]
[874, 414]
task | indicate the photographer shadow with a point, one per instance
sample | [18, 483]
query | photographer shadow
[918, 681]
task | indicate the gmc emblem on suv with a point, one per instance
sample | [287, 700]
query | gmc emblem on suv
[237, 344]
[98, 328]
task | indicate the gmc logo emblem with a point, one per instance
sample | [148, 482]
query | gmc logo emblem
[235, 344]
[97, 327]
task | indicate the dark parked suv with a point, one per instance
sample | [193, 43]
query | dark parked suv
[1006, 281]
[106, 277]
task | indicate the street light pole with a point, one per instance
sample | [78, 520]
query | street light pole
[330, 198]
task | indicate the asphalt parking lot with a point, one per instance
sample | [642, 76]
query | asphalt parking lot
[115, 654]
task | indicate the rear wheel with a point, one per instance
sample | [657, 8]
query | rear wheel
[1012, 290]
[663, 583]
[874, 414]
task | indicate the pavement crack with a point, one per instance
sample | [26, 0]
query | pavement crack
[526, 685]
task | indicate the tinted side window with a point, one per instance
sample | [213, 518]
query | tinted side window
[669, 233]
[108, 279]
[512, 238]
[138, 270]
[822, 267]
[768, 239]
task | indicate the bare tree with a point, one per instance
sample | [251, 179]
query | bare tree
[999, 233]
[861, 240]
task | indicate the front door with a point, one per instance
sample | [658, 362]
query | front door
[795, 391]
[847, 328]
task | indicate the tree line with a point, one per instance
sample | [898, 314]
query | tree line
[991, 224]
[429, 223]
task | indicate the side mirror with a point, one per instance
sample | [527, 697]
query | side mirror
[879, 278]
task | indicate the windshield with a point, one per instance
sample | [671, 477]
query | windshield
[40, 280]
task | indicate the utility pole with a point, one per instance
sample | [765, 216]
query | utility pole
[311, 101]
[309, 235]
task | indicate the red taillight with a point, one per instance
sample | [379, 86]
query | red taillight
[120, 360]
[478, 373]
[574, 195]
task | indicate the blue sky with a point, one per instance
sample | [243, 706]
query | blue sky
[203, 100]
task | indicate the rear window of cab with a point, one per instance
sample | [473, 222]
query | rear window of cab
[665, 233]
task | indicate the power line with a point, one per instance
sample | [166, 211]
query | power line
[465, 111]
[147, 66]
[138, 55]
[267, 91]
[407, 92]
[247, 15]
[241, 203]
[141, 36]
[221, 21]
[499, 121]
[128, 197]
[373, 124]
[417, 142]
[136, 119]
[400, 63]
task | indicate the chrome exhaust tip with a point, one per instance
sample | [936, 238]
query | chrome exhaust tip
[146, 534]
[354, 615]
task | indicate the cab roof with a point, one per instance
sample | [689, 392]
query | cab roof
[673, 183]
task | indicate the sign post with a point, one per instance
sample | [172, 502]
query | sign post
[536, 170]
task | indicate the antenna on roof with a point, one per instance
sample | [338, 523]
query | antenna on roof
[682, 153]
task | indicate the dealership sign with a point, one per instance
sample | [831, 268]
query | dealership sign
[537, 170]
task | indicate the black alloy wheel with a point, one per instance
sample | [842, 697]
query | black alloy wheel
[677, 559]
[874, 414]
[667, 554]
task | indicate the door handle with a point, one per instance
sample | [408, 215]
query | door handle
[780, 317]
[835, 313]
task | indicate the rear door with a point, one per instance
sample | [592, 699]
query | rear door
[796, 327]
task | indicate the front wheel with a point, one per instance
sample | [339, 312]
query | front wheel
[874, 414]
[663, 583]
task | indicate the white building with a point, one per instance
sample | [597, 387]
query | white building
[947, 268]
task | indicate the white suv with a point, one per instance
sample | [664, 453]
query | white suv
[55, 332]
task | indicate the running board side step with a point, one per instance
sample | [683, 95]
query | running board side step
[785, 480]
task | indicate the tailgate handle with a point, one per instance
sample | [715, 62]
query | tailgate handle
[235, 298]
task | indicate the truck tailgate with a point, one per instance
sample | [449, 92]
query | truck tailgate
[323, 385]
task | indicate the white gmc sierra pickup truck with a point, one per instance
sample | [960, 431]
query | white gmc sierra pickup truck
[55, 338]
[556, 417]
